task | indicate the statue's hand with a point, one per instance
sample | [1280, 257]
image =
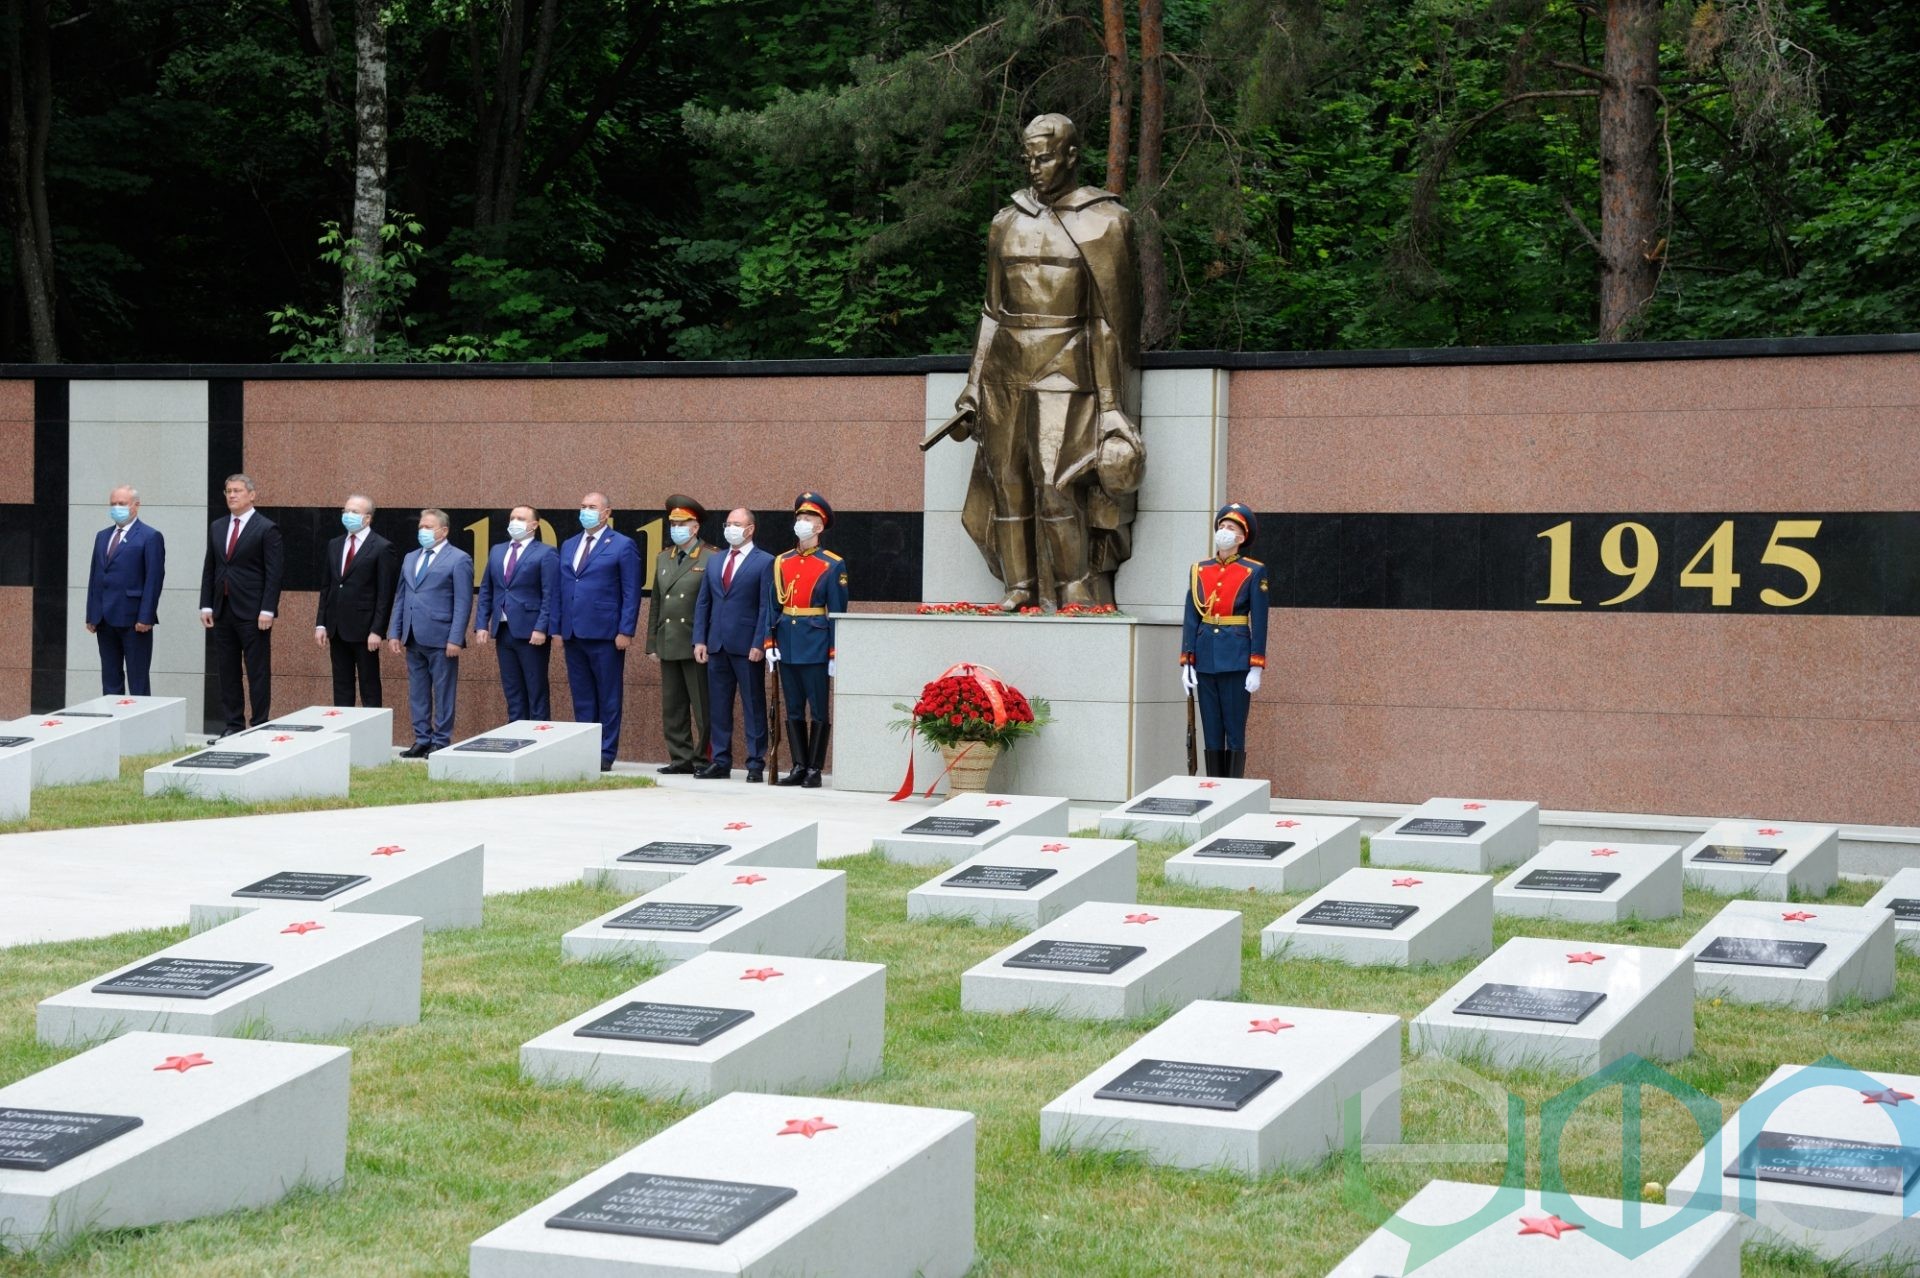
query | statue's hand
[1114, 421]
[969, 413]
[1121, 458]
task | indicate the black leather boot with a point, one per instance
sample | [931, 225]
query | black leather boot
[821, 731]
[797, 744]
[1237, 763]
[1216, 763]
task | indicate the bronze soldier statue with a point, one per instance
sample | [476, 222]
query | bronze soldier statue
[1051, 500]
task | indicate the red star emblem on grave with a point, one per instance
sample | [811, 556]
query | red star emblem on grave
[1053, 847]
[51, 723]
[301, 929]
[1885, 1096]
[1272, 1025]
[283, 737]
[124, 701]
[1770, 830]
[1547, 1226]
[1473, 807]
[1209, 785]
[1797, 916]
[1606, 852]
[545, 727]
[1588, 957]
[1142, 917]
[761, 974]
[999, 803]
[329, 714]
[748, 880]
[1285, 825]
[808, 1127]
[739, 825]
[388, 849]
[1406, 882]
[181, 1064]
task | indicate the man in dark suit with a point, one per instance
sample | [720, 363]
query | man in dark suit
[123, 594]
[430, 613]
[519, 601]
[730, 621]
[239, 594]
[677, 575]
[599, 612]
[356, 595]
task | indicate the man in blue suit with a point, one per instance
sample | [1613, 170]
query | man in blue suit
[429, 624]
[730, 626]
[519, 600]
[123, 594]
[599, 612]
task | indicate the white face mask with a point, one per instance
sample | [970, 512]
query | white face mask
[736, 535]
[517, 529]
[803, 530]
[1225, 539]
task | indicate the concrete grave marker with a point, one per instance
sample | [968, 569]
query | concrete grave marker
[1392, 917]
[1029, 880]
[259, 768]
[1106, 960]
[970, 823]
[16, 778]
[1594, 883]
[1901, 894]
[1270, 852]
[524, 750]
[1475, 835]
[441, 884]
[1775, 860]
[1185, 808]
[66, 750]
[655, 857]
[1805, 956]
[766, 910]
[148, 725]
[369, 729]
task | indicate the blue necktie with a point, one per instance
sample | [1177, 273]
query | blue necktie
[420, 569]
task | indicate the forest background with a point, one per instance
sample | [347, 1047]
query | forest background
[249, 180]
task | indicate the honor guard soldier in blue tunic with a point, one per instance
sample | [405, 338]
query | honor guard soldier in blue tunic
[1223, 638]
[809, 584]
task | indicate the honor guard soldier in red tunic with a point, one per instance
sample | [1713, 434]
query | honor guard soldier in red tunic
[809, 584]
[1223, 638]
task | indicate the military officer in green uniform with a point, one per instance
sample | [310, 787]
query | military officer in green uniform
[677, 574]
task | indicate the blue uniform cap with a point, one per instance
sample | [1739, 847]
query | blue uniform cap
[814, 504]
[1241, 515]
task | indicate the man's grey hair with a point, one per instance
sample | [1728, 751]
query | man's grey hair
[241, 478]
[362, 497]
[438, 514]
[128, 489]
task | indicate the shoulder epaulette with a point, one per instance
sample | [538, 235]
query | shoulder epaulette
[828, 554]
[1247, 559]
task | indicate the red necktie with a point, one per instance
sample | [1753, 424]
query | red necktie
[726, 578]
[513, 557]
[233, 537]
[347, 567]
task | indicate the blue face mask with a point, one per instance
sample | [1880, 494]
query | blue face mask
[680, 533]
[589, 518]
[350, 521]
[426, 539]
[120, 514]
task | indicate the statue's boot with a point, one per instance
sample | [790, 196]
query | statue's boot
[1067, 552]
[1014, 540]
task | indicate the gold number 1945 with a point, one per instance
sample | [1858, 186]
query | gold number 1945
[1717, 577]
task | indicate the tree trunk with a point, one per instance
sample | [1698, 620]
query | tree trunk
[359, 299]
[1119, 85]
[1630, 182]
[506, 114]
[1155, 312]
[29, 117]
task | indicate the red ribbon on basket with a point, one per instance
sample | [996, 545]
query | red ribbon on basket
[990, 683]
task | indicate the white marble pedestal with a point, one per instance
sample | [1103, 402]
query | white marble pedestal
[148, 725]
[370, 730]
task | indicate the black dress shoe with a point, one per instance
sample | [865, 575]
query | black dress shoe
[606, 765]
[676, 769]
[418, 750]
[713, 772]
[755, 776]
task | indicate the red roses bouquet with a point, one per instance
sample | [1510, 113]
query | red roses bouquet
[972, 703]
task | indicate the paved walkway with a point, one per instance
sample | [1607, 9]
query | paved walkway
[64, 884]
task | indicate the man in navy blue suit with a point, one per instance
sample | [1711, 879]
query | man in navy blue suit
[730, 626]
[430, 612]
[599, 612]
[123, 594]
[519, 600]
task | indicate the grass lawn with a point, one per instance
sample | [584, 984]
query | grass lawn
[447, 1140]
[123, 802]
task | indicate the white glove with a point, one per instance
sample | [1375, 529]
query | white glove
[1189, 679]
[773, 656]
[1253, 679]
[830, 665]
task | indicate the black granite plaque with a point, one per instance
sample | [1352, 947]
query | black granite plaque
[182, 978]
[947, 827]
[681, 1023]
[8, 743]
[1245, 849]
[1760, 951]
[1076, 956]
[289, 727]
[495, 745]
[1828, 1162]
[1000, 878]
[219, 760]
[1906, 908]
[1729, 854]
[1189, 1083]
[1378, 916]
[1530, 1003]
[1568, 881]
[1170, 807]
[683, 1208]
[301, 885]
[42, 1139]
[78, 714]
[1441, 827]
[673, 916]
[666, 852]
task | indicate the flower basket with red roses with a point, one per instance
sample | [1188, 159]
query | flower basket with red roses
[972, 703]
